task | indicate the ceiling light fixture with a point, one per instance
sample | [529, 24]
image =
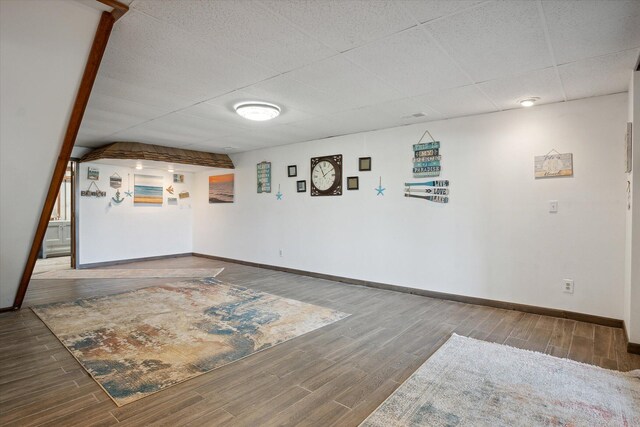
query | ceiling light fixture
[529, 101]
[171, 170]
[258, 111]
[138, 166]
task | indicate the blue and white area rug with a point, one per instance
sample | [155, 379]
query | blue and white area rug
[475, 383]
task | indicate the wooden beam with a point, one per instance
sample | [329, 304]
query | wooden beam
[119, 9]
[82, 98]
[158, 153]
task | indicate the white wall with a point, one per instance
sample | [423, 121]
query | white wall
[44, 46]
[128, 231]
[632, 270]
[495, 239]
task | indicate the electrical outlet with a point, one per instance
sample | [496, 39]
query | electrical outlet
[280, 252]
[553, 206]
[568, 286]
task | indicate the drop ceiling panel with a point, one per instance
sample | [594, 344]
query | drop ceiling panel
[244, 27]
[339, 77]
[462, 101]
[117, 88]
[599, 76]
[428, 10]
[496, 39]
[410, 62]
[150, 53]
[286, 91]
[173, 70]
[585, 28]
[507, 91]
[344, 25]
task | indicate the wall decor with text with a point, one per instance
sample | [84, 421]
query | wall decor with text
[264, 177]
[426, 158]
[93, 191]
[553, 164]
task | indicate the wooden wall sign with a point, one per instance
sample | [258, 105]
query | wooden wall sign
[264, 177]
[93, 193]
[553, 164]
[426, 158]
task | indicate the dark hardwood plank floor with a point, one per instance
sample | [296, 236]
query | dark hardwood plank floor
[333, 376]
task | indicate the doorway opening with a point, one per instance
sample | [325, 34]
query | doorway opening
[58, 248]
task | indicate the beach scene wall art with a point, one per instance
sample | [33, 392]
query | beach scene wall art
[147, 190]
[221, 188]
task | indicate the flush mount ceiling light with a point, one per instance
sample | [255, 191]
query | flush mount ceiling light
[138, 166]
[258, 111]
[528, 102]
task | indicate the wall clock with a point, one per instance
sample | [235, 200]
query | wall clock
[326, 175]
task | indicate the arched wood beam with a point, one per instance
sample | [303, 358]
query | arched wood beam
[82, 98]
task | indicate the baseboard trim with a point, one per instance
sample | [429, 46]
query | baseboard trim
[633, 347]
[127, 261]
[572, 315]
[7, 309]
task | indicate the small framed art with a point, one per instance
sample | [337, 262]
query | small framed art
[352, 183]
[301, 186]
[93, 173]
[364, 164]
[292, 171]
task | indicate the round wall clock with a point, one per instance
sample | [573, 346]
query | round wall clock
[326, 175]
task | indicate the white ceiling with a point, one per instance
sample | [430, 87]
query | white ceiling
[174, 69]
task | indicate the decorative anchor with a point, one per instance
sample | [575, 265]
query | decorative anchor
[128, 192]
[117, 200]
[278, 194]
[380, 190]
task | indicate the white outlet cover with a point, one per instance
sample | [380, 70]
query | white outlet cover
[568, 286]
[553, 206]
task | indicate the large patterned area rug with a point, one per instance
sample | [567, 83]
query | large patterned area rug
[475, 383]
[140, 342]
[129, 273]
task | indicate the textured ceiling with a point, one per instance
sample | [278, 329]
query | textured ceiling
[174, 68]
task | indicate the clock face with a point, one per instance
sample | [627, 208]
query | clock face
[326, 176]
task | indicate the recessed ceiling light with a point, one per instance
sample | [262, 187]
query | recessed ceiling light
[258, 111]
[138, 166]
[170, 170]
[529, 101]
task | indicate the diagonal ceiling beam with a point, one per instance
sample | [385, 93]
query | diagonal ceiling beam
[82, 98]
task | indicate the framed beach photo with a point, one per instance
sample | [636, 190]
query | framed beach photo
[301, 186]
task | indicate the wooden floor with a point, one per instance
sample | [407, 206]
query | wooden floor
[333, 376]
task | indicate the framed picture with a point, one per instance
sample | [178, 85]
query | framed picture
[352, 183]
[178, 178]
[364, 164]
[221, 188]
[292, 171]
[172, 201]
[93, 173]
[301, 186]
